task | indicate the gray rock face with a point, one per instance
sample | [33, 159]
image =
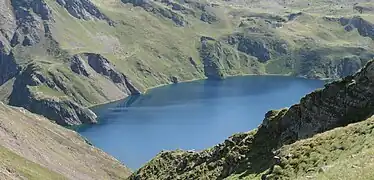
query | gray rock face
[77, 65]
[365, 28]
[261, 48]
[7, 25]
[39, 7]
[314, 64]
[255, 48]
[363, 9]
[211, 62]
[84, 9]
[102, 66]
[208, 17]
[293, 16]
[158, 10]
[338, 104]
[63, 111]
[30, 15]
[8, 67]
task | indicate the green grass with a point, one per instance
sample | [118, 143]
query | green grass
[46, 91]
[342, 153]
[150, 49]
[17, 166]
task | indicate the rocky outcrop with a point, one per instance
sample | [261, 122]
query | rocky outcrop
[338, 104]
[315, 64]
[8, 67]
[293, 16]
[31, 17]
[363, 8]
[63, 111]
[60, 109]
[220, 60]
[255, 48]
[39, 7]
[102, 66]
[84, 9]
[208, 17]
[149, 6]
[260, 47]
[7, 25]
[78, 66]
[212, 66]
[365, 28]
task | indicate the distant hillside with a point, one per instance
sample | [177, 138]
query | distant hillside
[294, 143]
[32, 147]
[59, 57]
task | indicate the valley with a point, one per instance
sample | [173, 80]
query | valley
[61, 58]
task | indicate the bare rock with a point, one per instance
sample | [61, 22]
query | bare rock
[78, 66]
[84, 9]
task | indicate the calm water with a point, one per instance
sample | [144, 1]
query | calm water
[193, 115]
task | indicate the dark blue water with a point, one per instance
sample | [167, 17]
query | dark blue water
[193, 115]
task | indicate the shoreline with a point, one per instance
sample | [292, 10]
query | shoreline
[198, 79]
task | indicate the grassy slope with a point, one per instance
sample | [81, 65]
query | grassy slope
[143, 39]
[32, 137]
[151, 49]
[13, 166]
[342, 153]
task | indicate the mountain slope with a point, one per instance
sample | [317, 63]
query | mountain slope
[12, 166]
[59, 57]
[276, 149]
[33, 147]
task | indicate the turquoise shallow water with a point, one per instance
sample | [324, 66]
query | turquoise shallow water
[192, 115]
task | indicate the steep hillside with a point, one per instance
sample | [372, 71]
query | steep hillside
[58, 57]
[286, 144]
[32, 147]
[13, 166]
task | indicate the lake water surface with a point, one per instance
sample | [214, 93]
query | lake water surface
[192, 115]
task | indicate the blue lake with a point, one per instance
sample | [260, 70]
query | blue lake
[193, 115]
